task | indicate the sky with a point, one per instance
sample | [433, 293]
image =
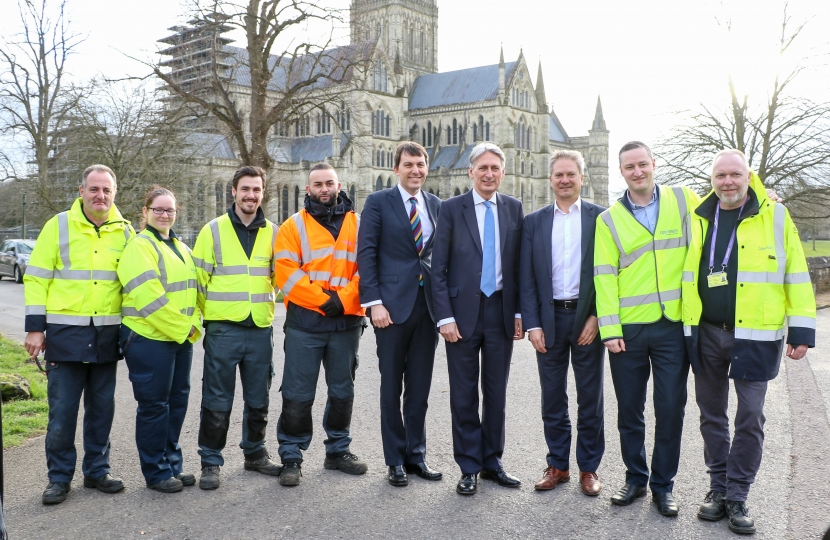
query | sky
[649, 60]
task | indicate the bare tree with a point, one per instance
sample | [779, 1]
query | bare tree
[34, 96]
[785, 137]
[249, 91]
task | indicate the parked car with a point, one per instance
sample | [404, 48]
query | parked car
[14, 258]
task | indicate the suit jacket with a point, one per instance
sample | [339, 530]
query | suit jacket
[387, 257]
[457, 261]
[536, 271]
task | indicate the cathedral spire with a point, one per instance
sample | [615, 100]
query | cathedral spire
[501, 56]
[501, 77]
[599, 120]
[541, 99]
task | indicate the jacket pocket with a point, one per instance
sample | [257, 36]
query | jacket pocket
[453, 292]
[774, 313]
[387, 279]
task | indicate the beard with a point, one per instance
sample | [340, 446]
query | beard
[733, 199]
[331, 202]
[239, 204]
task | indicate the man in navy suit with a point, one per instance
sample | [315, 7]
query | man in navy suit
[394, 251]
[558, 302]
[475, 263]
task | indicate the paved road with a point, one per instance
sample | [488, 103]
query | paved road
[790, 499]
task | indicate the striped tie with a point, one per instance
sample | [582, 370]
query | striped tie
[417, 234]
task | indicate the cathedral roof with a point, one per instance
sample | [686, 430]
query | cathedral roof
[209, 145]
[455, 87]
[451, 157]
[304, 148]
[557, 132]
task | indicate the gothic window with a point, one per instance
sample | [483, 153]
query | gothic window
[523, 173]
[466, 189]
[424, 137]
[532, 169]
[284, 203]
[296, 198]
[429, 134]
[454, 131]
[389, 182]
[586, 191]
[421, 52]
[319, 126]
[475, 132]
[487, 131]
[457, 192]
[386, 126]
[348, 120]
[379, 184]
[352, 194]
[389, 158]
[523, 190]
[220, 196]
[449, 135]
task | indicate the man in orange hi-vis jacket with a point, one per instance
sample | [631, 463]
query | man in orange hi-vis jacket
[315, 266]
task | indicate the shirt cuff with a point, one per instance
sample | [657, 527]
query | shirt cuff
[532, 329]
[518, 315]
[370, 304]
[442, 322]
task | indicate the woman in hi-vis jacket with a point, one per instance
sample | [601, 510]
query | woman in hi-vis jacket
[159, 326]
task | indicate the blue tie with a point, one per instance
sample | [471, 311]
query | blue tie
[488, 263]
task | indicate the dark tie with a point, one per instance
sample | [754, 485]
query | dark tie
[417, 234]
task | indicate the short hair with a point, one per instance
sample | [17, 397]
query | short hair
[633, 145]
[249, 170]
[730, 152]
[321, 166]
[410, 148]
[573, 155]
[479, 150]
[98, 168]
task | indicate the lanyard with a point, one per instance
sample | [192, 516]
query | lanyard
[731, 239]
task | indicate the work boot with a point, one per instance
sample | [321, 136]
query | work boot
[291, 474]
[105, 483]
[713, 507]
[169, 485]
[210, 478]
[348, 463]
[55, 492]
[739, 519]
[263, 465]
[186, 479]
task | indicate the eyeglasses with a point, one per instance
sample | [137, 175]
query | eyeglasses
[162, 211]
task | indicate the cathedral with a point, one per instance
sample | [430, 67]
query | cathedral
[400, 95]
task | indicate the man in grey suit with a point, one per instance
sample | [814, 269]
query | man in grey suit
[558, 305]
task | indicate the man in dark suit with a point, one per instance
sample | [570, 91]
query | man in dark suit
[558, 302]
[394, 251]
[475, 265]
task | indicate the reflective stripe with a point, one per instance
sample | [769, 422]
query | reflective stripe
[761, 277]
[681, 200]
[159, 258]
[200, 263]
[105, 275]
[320, 253]
[656, 245]
[63, 239]
[609, 320]
[74, 275]
[227, 296]
[604, 269]
[126, 229]
[192, 283]
[689, 277]
[651, 298]
[609, 221]
[628, 260]
[217, 243]
[687, 331]
[236, 270]
[138, 280]
[344, 254]
[685, 222]
[147, 310]
[262, 297]
[35, 310]
[801, 322]
[292, 280]
[339, 282]
[305, 249]
[795, 278]
[319, 276]
[668, 296]
[189, 311]
[274, 230]
[83, 320]
[259, 271]
[285, 254]
[778, 228]
[200, 289]
[39, 272]
[759, 335]
[176, 286]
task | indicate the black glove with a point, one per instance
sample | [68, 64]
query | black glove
[333, 306]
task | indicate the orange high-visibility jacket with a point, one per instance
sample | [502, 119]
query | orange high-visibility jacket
[307, 261]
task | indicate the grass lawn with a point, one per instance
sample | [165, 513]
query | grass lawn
[22, 418]
[822, 248]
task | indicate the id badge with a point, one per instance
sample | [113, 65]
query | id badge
[717, 279]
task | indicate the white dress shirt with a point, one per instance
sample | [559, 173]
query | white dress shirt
[481, 210]
[426, 225]
[566, 241]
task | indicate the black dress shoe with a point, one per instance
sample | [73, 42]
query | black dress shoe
[467, 485]
[665, 503]
[501, 477]
[423, 470]
[627, 494]
[397, 476]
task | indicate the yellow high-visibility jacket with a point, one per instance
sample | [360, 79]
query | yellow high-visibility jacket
[773, 283]
[159, 289]
[231, 286]
[637, 274]
[307, 261]
[71, 277]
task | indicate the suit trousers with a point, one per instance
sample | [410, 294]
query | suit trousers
[657, 348]
[478, 442]
[65, 384]
[160, 374]
[406, 355]
[731, 467]
[589, 370]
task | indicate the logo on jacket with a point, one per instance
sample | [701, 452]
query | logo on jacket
[670, 232]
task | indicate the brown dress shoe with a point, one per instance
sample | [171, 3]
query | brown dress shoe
[551, 478]
[590, 483]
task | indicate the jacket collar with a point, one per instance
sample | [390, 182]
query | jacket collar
[153, 230]
[321, 211]
[76, 213]
[755, 204]
[257, 223]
